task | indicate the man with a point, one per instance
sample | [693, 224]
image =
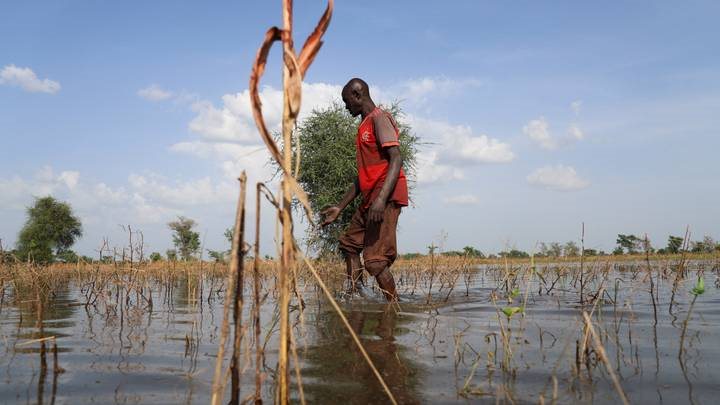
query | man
[383, 187]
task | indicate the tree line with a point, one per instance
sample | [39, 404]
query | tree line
[52, 228]
[625, 245]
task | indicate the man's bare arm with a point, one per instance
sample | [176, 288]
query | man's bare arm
[350, 194]
[331, 213]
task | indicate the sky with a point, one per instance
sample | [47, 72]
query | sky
[536, 117]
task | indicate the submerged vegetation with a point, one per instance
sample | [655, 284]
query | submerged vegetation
[466, 328]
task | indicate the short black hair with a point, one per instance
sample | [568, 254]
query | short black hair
[360, 85]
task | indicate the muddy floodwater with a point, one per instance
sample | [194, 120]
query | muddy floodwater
[158, 345]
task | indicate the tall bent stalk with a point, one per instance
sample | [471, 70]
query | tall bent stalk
[294, 68]
[237, 267]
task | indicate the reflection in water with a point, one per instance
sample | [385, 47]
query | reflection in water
[335, 370]
[124, 338]
[40, 312]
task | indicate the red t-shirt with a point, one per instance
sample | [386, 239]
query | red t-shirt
[373, 161]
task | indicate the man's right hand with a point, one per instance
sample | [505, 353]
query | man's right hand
[330, 214]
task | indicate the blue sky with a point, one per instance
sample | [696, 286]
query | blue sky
[542, 115]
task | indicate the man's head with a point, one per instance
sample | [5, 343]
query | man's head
[355, 95]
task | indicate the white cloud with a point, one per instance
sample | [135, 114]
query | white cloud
[233, 158]
[462, 199]
[458, 144]
[154, 93]
[28, 80]
[233, 122]
[575, 106]
[45, 174]
[70, 179]
[145, 212]
[419, 90]
[147, 198]
[107, 195]
[559, 178]
[479, 149]
[223, 150]
[538, 131]
[575, 133]
[228, 133]
[180, 193]
[16, 192]
[429, 170]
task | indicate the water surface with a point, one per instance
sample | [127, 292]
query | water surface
[116, 345]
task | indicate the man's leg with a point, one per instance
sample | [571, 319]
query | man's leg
[384, 278]
[381, 250]
[354, 271]
[351, 244]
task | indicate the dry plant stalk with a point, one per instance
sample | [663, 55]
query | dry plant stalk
[294, 68]
[256, 297]
[234, 283]
[237, 258]
[218, 386]
[603, 356]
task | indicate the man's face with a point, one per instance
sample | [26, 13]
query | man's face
[352, 103]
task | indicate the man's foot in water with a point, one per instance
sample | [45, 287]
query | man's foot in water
[357, 291]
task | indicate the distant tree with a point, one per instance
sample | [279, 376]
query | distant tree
[646, 245]
[67, 256]
[327, 158]
[590, 252]
[470, 251]
[514, 254]
[571, 249]
[410, 255]
[453, 253]
[543, 250]
[229, 237]
[186, 240]
[618, 251]
[555, 249]
[628, 243]
[674, 244]
[707, 245]
[50, 229]
[155, 257]
[171, 255]
[216, 255]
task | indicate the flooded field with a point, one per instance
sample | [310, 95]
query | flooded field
[462, 333]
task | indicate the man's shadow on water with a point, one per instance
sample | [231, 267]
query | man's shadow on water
[336, 371]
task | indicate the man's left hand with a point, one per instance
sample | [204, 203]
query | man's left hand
[377, 210]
